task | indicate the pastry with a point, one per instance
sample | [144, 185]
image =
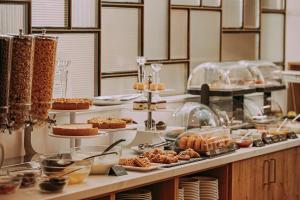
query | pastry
[183, 142]
[153, 87]
[190, 142]
[161, 86]
[192, 153]
[127, 161]
[161, 104]
[142, 162]
[71, 104]
[75, 130]
[153, 106]
[139, 86]
[161, 125]
[128, 120]
[197, 144]
[140, 105]
[107, 123]
[183, 156]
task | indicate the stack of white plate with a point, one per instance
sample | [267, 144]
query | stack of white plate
[191, 188]
[138, 194]
[180, 194]
[209, 189]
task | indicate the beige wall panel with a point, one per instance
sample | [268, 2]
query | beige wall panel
[156, 29]
[120, 39]
[174, 76]
[212, 3]
[272, 32]
[205, 37]
[12, 18]
[179, 34]
[114, 86]
[186, 2]
[85, 13]
[251, 16]
[124, 1]
[50, 13]
[273, 4]
[240, 46]
[81, 50]
[232, 13]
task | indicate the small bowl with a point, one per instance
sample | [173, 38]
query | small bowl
[101, 165]
[52, 184]
[52, 167]
[29, 177]
[10, 183]
[244, 142]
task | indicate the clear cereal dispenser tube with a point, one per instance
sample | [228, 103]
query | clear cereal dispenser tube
[21, 79]
[43, 75]
[5, 70]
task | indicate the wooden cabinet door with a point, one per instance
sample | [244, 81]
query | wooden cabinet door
[284, 175]
[249, 179]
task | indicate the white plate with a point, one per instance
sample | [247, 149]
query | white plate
[128, 127]
[100, 134]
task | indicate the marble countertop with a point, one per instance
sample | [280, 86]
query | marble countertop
[99, 185]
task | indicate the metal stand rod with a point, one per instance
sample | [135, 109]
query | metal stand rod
[29, 151]
[76, 142]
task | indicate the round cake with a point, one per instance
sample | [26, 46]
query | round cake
[75, 130]
[71, 104]
[107, 123]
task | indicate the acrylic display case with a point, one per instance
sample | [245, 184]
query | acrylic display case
[265, 73]
[196, 116]
[221, 76]
[208, 143]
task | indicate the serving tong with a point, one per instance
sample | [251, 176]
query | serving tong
[151, 146]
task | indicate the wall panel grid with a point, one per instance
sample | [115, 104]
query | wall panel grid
[177, 33]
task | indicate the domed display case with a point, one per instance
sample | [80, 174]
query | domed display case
[265, 73]
[221, 76]
[196, 116]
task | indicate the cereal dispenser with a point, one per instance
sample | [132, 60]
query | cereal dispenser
[5, 69]
[43, 75]
[21, 79]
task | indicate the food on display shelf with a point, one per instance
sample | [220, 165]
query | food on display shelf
[155, 105]
[203, 143]
[8, 184]
[75, 130]
[140, 105]
[244, 143]
[153, 86]
[21, 81]
[109, 122]
[71, 104]
[135, 162]
[161, 125]
[43, 75]
[291, 114]
[5, 69]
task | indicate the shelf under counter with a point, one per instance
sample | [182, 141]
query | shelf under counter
[105, 185]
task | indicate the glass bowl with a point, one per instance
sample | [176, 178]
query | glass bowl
[101, 165]
[243, 142]
[57, 165]
[52, 184]
[10, 183]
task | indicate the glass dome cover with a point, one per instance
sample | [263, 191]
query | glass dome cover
[264, 72]
[221, 76]
[196, 116]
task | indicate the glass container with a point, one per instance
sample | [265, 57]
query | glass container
[196, 116]
[61, 80]
[141, 61]
[43, 75]
[221, 76]
[5, 69]
[21, 79]
[265, 73]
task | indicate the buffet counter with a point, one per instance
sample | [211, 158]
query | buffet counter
[107, 186]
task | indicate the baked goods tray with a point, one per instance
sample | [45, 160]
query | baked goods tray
[100, 134]
[179, 163]
[218, 152]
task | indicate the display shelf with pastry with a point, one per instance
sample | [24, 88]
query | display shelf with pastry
[209, 143]
[142, 164]
[71, 104]
[110, 124]
[170, 158]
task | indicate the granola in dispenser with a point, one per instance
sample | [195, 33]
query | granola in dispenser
[21, 78]
[43, 76]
